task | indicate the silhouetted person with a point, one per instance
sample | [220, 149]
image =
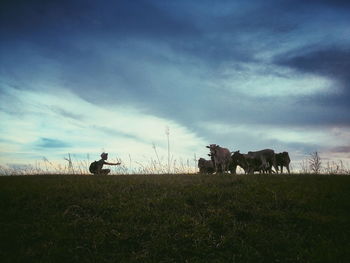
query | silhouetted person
[96, 167]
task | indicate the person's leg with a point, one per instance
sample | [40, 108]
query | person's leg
[105, 171]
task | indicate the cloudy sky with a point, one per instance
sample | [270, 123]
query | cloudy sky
[84, 76]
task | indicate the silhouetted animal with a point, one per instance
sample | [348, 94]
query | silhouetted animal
[240, 160]
[282, 159]
[267, 158]
[205, 166]
[221, 157]
[249, 164]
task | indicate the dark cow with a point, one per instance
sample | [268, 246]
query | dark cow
[240, 160]
[205, 166]
[249, 164]
[221, 157]
[267, 158]
[282, 159]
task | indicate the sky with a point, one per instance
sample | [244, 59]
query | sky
[84, 76]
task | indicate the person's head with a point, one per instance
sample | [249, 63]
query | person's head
[104, 156]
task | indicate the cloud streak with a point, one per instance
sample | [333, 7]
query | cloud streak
[44, 143]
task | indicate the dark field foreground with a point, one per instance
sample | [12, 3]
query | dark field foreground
[175, 218]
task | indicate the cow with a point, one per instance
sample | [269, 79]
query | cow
[205, 166]
[249, 164]
[240, 160]
[267, 158]
[221, 157]
[282, 159]
[231, 167]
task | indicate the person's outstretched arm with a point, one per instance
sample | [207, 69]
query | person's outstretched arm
[112, 163]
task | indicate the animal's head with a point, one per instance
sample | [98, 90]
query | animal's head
[213, 148]
[239, 159]
[200, 162]
[237, 156]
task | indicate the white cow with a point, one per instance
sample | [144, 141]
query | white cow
[221, 157]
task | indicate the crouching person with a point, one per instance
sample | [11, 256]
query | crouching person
[96, 166]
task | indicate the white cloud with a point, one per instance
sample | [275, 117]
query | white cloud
[263, 80]
[86, 128]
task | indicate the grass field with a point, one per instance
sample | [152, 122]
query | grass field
[175, 218]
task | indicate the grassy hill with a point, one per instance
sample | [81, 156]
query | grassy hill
[175, 218]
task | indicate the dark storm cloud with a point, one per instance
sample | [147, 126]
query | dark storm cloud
[47, 19]
[263, 18]
[279, 18]
[334, 3]
[64, 42]
[56, 24]
[80, 45]
[331, 62]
